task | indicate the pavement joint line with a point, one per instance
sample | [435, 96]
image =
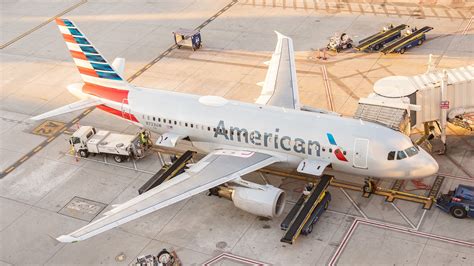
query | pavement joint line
[21, 36]
[83, 114]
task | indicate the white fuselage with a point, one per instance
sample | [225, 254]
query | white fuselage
[292, 135]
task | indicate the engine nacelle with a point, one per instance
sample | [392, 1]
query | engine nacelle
[268, 202]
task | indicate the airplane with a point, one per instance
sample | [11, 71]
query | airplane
[237, 137]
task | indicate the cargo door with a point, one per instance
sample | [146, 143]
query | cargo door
[361, 148]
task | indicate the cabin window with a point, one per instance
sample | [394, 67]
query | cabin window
[153, 118]
[164, 120]
[159, 119]
[330, 150]
[324, 149]
[186, 124]
[192, 125]
[208, 128]
[344, 152]
[214, 129]
[175, 122]
[170, 122]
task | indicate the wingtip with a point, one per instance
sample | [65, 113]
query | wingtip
[66, 239]
[280, 35]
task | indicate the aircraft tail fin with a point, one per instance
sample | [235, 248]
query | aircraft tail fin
[95, 70]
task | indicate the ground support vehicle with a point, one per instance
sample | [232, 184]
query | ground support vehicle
[377, 41]
[189, 38]
[458, 202]
[411, 37]
[307, 210]
[88, 140]
[340, 42]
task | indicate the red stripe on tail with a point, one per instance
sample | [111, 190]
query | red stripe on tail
[112, 94]
[69, 38]
[78, 55]
[87, 71]
[60, 22]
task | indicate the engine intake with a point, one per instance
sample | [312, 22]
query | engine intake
[267, 202]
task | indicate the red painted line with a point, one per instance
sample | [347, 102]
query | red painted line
[406, 230]
[344, 242]
[233, 257]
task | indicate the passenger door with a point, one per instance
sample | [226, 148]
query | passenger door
[361, 148]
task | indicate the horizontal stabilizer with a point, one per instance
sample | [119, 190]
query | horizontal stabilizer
[79, 105]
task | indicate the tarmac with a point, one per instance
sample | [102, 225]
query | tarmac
[48, 192]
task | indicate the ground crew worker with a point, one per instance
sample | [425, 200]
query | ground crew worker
[143, 137]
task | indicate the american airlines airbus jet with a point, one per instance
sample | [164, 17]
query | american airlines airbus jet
[238, 137]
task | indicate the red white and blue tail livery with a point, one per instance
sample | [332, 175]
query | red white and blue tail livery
[238, 137]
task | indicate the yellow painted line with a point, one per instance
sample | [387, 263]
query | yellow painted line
[50, 139]
[87, 111]
[10, 169]
[24, 158]
[37, 148]
[75, 120]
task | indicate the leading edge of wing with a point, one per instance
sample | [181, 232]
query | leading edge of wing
[195, 180]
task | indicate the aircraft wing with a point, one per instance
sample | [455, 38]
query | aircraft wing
[280, 87]
[215, 169]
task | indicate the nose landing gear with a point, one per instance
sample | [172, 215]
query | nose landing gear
[368, 188]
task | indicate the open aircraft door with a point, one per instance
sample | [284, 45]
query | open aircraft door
[361, 148]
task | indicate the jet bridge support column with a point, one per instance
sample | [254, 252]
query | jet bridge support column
[444, 104]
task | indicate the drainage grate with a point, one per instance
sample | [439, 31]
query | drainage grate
[82, 209]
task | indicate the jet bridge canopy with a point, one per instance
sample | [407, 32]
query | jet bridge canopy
[425, 90]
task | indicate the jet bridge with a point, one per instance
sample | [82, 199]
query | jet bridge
[301, 213]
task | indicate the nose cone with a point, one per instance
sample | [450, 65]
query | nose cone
[427, 165]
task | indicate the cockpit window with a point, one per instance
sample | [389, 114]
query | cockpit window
[401, 155]
[391, 156]
[411, 151]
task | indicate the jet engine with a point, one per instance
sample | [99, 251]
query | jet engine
[267, 200]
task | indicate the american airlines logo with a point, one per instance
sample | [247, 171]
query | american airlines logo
[267, 139]
[276, 141]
